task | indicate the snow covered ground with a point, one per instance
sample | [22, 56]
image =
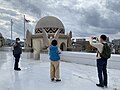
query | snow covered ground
[35, 75]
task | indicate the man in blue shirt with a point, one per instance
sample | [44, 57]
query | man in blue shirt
[55, 61]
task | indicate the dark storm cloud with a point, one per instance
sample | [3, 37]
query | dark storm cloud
[113, 5]
[26, 6]
[102, 20]
[8, 12]
[92, 17]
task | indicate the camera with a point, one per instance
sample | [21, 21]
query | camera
[94, 39]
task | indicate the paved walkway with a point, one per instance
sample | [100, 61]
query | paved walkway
[35, 75]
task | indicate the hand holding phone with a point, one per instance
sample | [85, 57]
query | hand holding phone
[95, 39]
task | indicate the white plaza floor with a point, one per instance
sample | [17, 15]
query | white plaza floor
[35, 75]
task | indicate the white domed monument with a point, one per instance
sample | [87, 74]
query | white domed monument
[47, 29]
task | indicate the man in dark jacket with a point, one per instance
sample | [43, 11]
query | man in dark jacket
[17, 52]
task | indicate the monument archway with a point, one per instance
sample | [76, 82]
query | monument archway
[63, 46]
[47, 27]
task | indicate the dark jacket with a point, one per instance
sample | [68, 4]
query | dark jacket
[17, 49]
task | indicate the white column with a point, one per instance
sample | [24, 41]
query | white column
[36, 49]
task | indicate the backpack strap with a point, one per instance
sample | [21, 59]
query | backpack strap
[98, 50]
[97, 53]
[104, 43]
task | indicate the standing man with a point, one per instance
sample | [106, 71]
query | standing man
[54, 61]
[103, 54]
[17, 52]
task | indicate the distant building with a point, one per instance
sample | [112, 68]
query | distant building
[116, 41]
[116, 45]
[1, 40]
[81, 45]
[108, 40]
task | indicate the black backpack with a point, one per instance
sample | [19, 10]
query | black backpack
[106, 52]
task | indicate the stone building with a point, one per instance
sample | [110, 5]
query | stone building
[46, 29]
[116, 45]
[81, 45]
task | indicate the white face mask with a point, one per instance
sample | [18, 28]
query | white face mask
[18, 41]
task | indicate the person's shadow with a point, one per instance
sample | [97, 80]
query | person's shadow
[17, 81]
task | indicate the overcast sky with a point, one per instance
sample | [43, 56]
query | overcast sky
[85, 18]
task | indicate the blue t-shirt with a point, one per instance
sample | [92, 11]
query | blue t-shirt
[54, 53]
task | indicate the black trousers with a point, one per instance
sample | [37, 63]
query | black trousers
[17, 58]
[102, 71]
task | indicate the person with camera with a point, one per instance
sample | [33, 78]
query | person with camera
[17, 51]
[54, 52]
[103, 54]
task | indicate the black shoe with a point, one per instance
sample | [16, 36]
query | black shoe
[58, 80]
[99, 85]
[17, 69]
[52, 79]
[106, 86]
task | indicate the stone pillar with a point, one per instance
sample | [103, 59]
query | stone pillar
[29, 51]
[36, 49]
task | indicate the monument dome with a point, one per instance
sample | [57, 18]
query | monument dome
[50, 24]
[47, 29]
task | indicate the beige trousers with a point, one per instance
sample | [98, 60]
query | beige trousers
[54, 69]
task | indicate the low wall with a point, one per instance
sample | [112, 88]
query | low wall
[89, 59]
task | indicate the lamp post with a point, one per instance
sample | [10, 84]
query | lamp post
[24, 31]
[11, 31]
